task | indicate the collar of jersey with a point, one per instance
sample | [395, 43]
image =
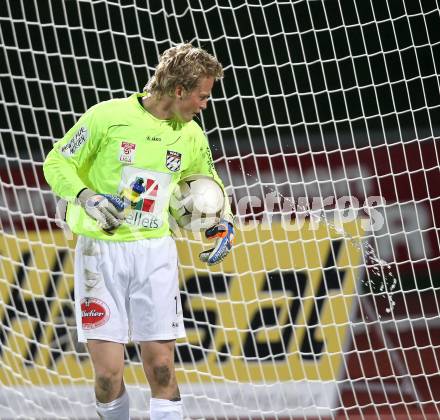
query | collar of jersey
[173, 123]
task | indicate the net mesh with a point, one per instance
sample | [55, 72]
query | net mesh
[325, 131]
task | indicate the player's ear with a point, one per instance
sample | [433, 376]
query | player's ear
[179, 92]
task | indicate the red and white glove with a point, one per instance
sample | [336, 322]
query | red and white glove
[223, 231]
[106, 209]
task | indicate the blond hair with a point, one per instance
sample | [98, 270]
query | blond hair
[182, 65]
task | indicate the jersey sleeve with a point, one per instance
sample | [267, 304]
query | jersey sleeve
[71, 156]
[203, 164]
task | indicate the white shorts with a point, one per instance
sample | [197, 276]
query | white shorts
[127, 291]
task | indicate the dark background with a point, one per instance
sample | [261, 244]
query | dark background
[299, 76]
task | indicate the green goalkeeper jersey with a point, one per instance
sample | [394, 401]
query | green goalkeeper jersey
[114, 144]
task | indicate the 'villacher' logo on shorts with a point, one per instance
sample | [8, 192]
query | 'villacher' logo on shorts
[94, 313]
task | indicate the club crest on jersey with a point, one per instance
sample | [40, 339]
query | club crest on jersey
[127, 152]
[173, 160]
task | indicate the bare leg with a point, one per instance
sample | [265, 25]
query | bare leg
[158, 362]
[108, 363]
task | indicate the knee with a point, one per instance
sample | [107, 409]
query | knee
[162, 374]
[108, 383]
[163, 382]
[162, 379]
[158, 361]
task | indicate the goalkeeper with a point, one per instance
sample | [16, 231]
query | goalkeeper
[117, 167]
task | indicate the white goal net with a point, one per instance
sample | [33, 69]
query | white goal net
[325, 130]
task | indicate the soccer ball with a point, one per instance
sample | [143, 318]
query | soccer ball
[197, 203]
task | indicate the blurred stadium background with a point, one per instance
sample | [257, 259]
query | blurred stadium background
[320, 99]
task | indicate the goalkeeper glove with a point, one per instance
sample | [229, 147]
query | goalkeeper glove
[224, 232]
[106, 209]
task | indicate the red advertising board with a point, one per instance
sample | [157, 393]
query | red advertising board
[399, 181]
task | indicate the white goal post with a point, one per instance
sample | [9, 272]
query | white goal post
[325, 130]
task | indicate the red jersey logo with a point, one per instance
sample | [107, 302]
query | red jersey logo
[127, 152]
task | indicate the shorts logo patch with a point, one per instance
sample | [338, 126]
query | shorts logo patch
[94, 313]
[127, 152]
[76, 142]
[173, 160]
